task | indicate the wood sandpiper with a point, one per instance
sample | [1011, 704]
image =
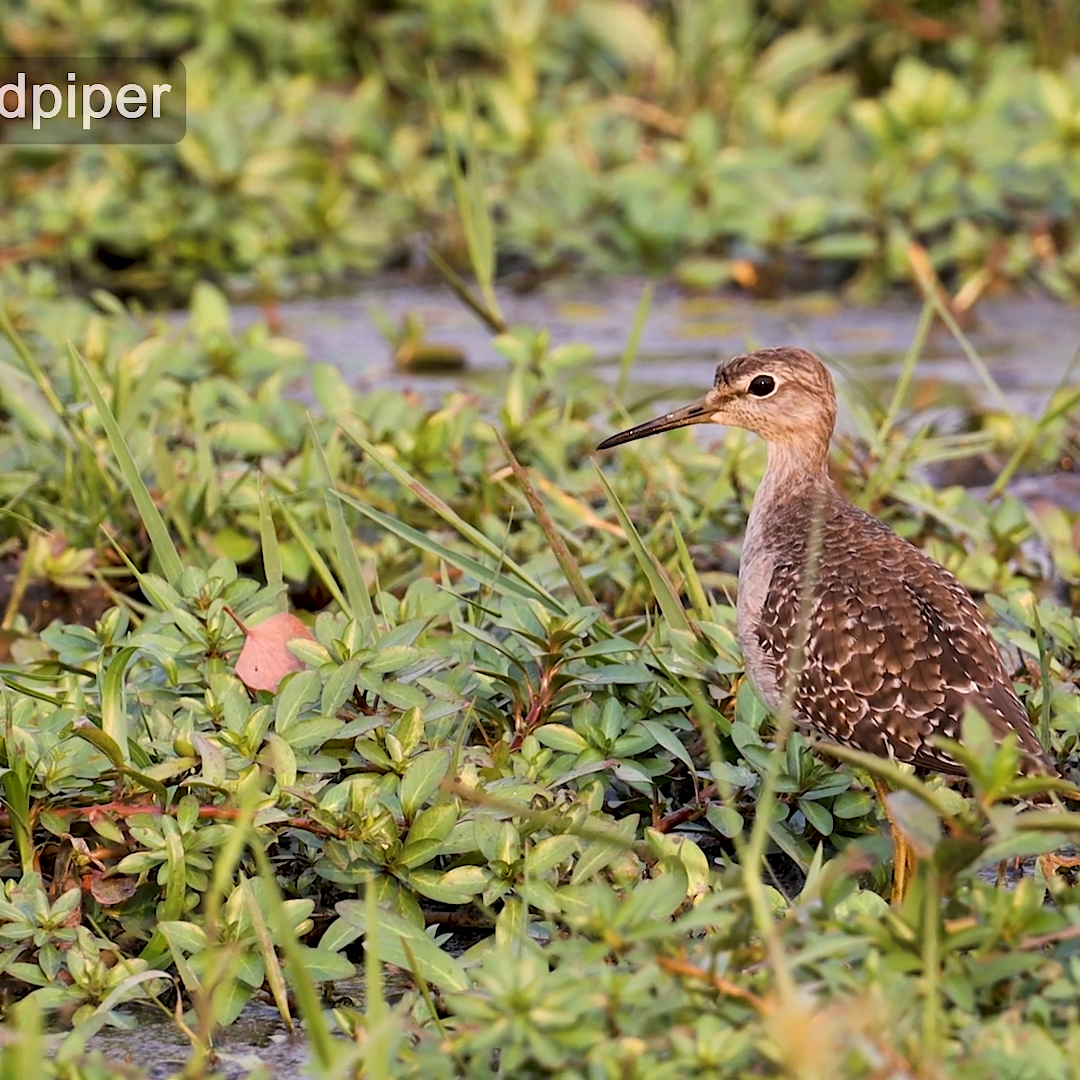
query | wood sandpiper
[859, 634]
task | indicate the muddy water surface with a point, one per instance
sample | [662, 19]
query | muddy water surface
[1026, 342]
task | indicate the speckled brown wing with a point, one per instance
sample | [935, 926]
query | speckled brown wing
[896, 648]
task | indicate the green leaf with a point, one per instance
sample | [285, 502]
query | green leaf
[280, 756]
[668, 740]
[322, 965]
[852, 804]
[418, 852]
[817, 815]
[409, 730]
[339, 935]
[560, 737]
[339, 687]
[434, 823]
[975, 735]
[422, 778]
[209, 311]
[425, 839]
[791, 845]
[300, 690]
[863, 902]
[88, 730]
[457, 886]
[403, 944]
[600, 853]
[136, 863]
[726, 820]
[797, 54]
[551, 851]
[656, 899]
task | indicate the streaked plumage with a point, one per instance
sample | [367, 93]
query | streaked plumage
[894, 647]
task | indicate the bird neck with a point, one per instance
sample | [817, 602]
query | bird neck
[792, 494]
[794, 469]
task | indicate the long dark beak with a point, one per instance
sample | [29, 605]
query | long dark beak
[700, 412]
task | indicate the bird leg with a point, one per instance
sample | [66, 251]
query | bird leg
[1050, 864]
[903, 856]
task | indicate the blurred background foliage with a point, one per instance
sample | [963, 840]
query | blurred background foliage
[774, 143]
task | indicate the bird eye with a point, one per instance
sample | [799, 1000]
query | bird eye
[762, 385]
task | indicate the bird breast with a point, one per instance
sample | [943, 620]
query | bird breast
[756, 566]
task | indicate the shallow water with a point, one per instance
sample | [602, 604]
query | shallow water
[258, 1044]
[1027, 342]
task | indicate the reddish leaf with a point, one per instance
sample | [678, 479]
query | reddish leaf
[265, 658]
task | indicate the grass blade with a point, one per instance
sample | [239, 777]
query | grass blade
[348, 563]
[471, 200]
[661, 584]
[926, 318]
[311, 550]
[562, 554]
[1065, 406]
[474, 536]
[16, 785]
[271, 551]
[934, 298]
[694, 588]
[484, 575]
[629, 355]
[1044, 676]
[316, 1029]
[275, 977]
[376, 1007]
[492, 320]
[160, 540]
[37, 373]
[26, 404]
[113, 706]
[887, 770]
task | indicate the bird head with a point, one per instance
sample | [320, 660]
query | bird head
[785, 395]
